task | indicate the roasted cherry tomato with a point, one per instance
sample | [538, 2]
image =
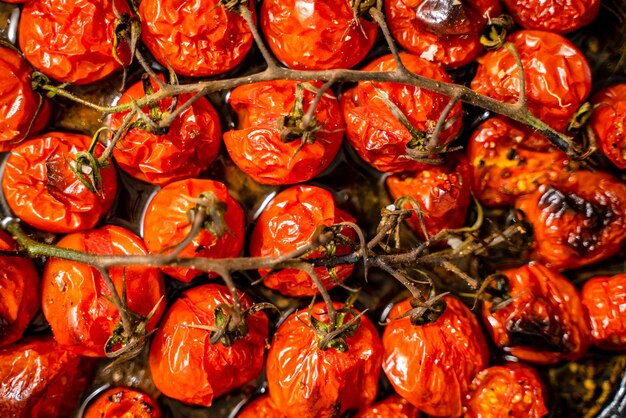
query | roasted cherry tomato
[441, 193]
[557, 75]
[608, 122]
[509, 391]
[560, 16]
[447, 32]
[197, 39]
[308, 382]
[43, 190]
[123, 403]
[76, 300]
[432, 365]
[376, 134]
[316, 34]
[73, 42]
[261, 407]
[392, 407]
[185, 365]
[578, 221]
[540, 317]
[168, 221]
[605, 298]
[269, 146]
[188, 148]
[288, 223]
[19, 293]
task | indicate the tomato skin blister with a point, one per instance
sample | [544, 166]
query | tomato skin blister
[123, 402]
[604, 298]
[558, 16]
[608, 122]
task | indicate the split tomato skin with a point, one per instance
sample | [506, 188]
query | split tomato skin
[604, 298]
[608, 122]
[560, 16]
[123, 402]
[392, 407]
[261, 407]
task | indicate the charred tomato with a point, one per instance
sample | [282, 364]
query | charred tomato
[559, 16]
[604, 298]
[393, 407]
[608, 122]
[123, 402]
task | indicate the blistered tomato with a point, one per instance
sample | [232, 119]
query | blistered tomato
[560, 16]
[392, 407]
[605, 298]
[261, 407]
[123, 403]
[608, 122]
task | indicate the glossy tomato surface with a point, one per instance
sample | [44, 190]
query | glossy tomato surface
[604, 297]
[393, 407]
[559, 16]
[123, 403]
[608, 122]
[261, 407]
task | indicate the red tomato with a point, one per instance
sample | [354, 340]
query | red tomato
[42, 190]
[72, 42]
[379, 138]
[123, 403]
[545, 321]
[188, 148]
[316, 34]
[256, 146]
[509, 391]
[605, 298]
[560, 16]
[197, 39]
[166, 223]
[183, 362]
[287, 224]
[558, 77]
[608, 122]
[308, 382]
[76, 300]
[392, 407]
[19, 292]
[261, 407]
[446, 32]
[432, 365]
[441, 191]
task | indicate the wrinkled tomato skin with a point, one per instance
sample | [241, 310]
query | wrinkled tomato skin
[375, 133]
[196, 39]
[392, 407]
[578, 221]
[41, 189]
[558, 16]
[450, 41]
[307, 382]
[190, 145]
[19, 292]
[256, 147]
[512, 390]
[71, 42]
[186, 366]
[432, 365]
[507, 162]
[441, 191]
[545, 322]
[76, 299]
[604, 298]
[288, 223]
[316, 34]
[261, 407]
[557, 75]
[608, 123]
[123, 403]
[166, 224]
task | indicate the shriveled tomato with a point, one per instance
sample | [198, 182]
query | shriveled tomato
[197, 39]
[376, 134]
[288, 223]
[41, 188]
[557, 75]
[185, 365]
[73, 42]
[76, 300]
[309, 382]
[608, 122]
[269, 146]
[559, 16]
[604, 297]
[167, 222]
[511, 390]
[123, 402]
[392, 407]
[447, 32]
[261, 407]
[578, 221]
[188, 148]
[432, 365]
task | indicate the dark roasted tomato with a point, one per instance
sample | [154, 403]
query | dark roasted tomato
[440, 192]
[392, 407]
[19, 292]
[261, 407]
[257, 146]
[557, 75]
[167, 222]
[306, 381]
[376, 134]
[316, 34]
[432, 365]
[608, 122]
[541, 319]
[123, 403]
[198, 39]
[76, 300]
[288, 223]
[447, 32]
[560, 16]
[188, 148]
[72, 42]
[508, 391]
[605, 298]
[577, 221]
[507, 162]
[185, 365]
[41, 188]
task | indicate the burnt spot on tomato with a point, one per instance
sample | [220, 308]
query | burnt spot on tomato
[449, 17]
[57, 178]
[542, 332]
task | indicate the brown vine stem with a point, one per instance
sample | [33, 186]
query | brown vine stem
[379, 18]
[267, 55]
